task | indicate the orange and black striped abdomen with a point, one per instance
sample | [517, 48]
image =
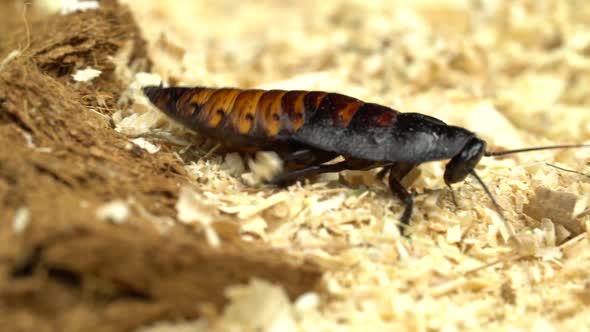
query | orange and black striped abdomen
[255, 113]
[234, 116]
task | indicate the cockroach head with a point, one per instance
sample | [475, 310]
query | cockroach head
[465, 161]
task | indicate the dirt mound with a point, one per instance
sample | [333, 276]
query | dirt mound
[61, 266]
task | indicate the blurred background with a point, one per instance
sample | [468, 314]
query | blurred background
[527, 60]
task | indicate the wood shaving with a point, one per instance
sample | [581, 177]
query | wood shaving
[145, 144]
[307, 302]
[554, 205]
[21, 220]
[139, 123]
[234, 164]
[72, 6]
[258, 306]
[263, 167]
[86, 75]
[191, 208]
[116, 211]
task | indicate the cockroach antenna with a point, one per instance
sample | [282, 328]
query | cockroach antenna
[495, 203]
[538, 148]
[508, 152]
[568, 170]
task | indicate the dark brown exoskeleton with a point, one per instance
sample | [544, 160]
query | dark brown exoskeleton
[310, 128]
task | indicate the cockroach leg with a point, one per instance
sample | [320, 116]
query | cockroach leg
[316, 169]
[382, 173]
[396, 174]
[290, 177]
[305, 157]
[402, 193]
[453, 197]
[400, 170]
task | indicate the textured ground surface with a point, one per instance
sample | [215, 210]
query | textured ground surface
[116, 219]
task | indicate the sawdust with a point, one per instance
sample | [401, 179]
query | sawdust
[515, 72]
[199, 224]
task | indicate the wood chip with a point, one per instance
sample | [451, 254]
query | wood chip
[555, 205]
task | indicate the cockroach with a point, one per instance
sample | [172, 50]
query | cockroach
[310, 128]
[568, 170]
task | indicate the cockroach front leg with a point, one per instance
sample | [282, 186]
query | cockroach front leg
[382, 173]
[396, 174]
[402, 193]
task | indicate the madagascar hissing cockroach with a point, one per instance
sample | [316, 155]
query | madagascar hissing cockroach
[310, 128]
[568, 170]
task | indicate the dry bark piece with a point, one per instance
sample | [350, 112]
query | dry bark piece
[555, 205]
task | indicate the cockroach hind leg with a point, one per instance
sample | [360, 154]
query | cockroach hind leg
[301, 158]
[287, 178]
[318, 168]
